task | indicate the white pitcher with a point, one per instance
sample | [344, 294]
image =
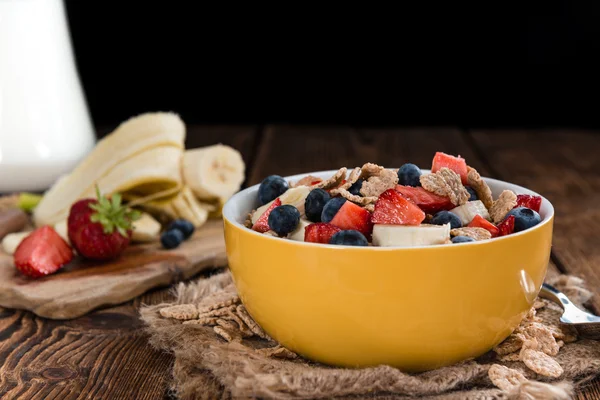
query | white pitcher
[45, 127]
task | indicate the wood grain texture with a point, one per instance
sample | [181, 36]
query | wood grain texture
[104, 354]
[83, 286]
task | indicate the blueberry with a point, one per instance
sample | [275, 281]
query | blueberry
[472, 193]
[314, 203]
[462, 239]
[409, 174]
[525, 218]
[185, 226]
[331, 208]
[349, 237]
[171, 238]
[271, 187]
[443, 217]
[284, 219]
[356, 186]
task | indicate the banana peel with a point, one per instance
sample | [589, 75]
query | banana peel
[143, 152]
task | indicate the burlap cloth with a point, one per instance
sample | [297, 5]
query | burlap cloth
[209, 367]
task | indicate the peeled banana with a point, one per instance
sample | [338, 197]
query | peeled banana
[410, 236]
[11, 241]
[143, 154]
[213, 172]
[145, 229]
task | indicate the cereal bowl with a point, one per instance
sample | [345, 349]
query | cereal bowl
[416, 308]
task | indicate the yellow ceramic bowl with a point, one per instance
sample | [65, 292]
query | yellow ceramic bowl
[413, 308]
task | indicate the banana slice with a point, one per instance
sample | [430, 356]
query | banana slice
[196, 208]
[145, 229]
[143, 152]
[410, 236]
[294, 196]
[12, 241]
[468, 211]
[213, 172]
[62, 230]
[298, 233]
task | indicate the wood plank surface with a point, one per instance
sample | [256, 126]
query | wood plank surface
[105, 354]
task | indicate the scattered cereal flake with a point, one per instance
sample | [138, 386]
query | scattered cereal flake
[363, 201]
[544, 337]
[447, 183]
[506, 202]
[180, 311]
[505, 378]
[537, 304]
[509, 345]
[308, 180]
[219, 312]
[377, 184]
[243, 328]
[370, 207]
[530, 315]
[230, 326]
[475, 233]
[530, 343]
[482, 189]
[277, 352]
[334, 181]
[218, 300]
[230, 336]
[511, 357]
[207, 321]
[254, 327]
[541, 363]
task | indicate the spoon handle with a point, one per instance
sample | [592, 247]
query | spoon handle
[572, 314]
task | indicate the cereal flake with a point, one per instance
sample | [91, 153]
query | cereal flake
[180, 311]
[377, 184]
[254, 327]
[363, 201]
[370, 207]
[484, 193]
[541, 363]
[511, 357]
[354, 175]
[472, 232]
[447, 183]
[369, 169]
[509, 345]
[228, 335]
[306, 181]
[277, 352]
[505, 378]
[545, 339]
[506, 202]
[332, 182]
[218, 300]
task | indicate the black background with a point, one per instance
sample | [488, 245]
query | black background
[496, 67]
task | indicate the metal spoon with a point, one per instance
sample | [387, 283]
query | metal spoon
[587, 325]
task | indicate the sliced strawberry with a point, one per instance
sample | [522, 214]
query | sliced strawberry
[480, 222]
[320, 232]
[427, 201]
[262, 223]
[507, 226]
[532, 202]
[42, 253]
[351, 216]
[456, 164]
[393, 209]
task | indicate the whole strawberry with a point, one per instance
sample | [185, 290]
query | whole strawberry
[100, 229]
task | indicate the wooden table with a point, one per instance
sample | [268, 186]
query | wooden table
[105, 355]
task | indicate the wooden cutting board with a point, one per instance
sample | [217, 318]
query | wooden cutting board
[82, 286]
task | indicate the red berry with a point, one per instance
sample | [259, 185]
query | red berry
[41, 253]
[262, 223]
[351, 216]
[532, 202]
[320, 232]
[507, 226]
[393, 209]
[456, 164]
[429, 202]
[101, 228]
[480, 222]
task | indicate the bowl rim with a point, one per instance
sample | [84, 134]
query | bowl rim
[231, 219]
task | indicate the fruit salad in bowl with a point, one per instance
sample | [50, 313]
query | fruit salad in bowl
[407, 207]
[415, 268]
